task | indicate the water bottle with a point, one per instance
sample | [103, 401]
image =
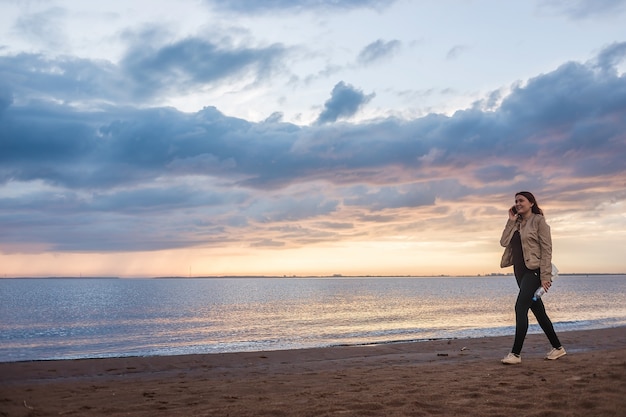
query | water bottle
[540, 291]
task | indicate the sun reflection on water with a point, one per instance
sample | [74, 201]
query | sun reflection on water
[44, 319]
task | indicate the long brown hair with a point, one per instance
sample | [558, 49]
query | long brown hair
[535, 208]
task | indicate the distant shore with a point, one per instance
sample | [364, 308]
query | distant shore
[458, 377]
[575, 274]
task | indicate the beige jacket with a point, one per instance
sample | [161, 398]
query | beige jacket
[536, 244]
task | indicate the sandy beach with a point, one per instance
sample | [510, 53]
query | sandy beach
[459, 377]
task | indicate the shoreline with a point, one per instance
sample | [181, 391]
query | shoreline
[433, 377]
[533, 330]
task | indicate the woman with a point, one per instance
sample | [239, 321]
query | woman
[528, 243]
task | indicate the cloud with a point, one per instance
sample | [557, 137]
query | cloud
[186, 64]
[145, 72]
[377, 50]
[573, 112]
[611, 56]
[267, 243]
[253, 6]
[400, 196]
[6, 98]
[45, 28]
[65, 79]
[344, 102]
[584, 9]
[455, 51]
[104, 178]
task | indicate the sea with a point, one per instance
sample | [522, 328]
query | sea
[46, 319]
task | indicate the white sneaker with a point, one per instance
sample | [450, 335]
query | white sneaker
[556, 353]
[512, 359]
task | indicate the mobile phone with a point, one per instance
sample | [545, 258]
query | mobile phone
[514, 210]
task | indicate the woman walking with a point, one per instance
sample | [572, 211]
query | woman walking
[528, 244]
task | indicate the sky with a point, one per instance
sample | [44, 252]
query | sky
[307, 137]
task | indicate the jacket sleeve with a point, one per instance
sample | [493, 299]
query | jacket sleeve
[545, 242]
[507, 233]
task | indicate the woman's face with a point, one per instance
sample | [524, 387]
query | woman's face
[522, 205]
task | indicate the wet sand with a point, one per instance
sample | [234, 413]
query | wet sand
[459, 377]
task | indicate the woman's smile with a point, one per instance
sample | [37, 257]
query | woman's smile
[522, 205]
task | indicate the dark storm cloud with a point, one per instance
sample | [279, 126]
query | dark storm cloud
[572, 113]
[345, 101]
[139, 179]
[377, 50]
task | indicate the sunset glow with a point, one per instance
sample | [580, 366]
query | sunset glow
[307, 138]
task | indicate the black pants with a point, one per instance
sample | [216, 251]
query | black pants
[528, 284]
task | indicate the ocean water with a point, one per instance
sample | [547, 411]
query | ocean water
[43, 319]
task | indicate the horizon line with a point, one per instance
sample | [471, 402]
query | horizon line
[297, 276]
